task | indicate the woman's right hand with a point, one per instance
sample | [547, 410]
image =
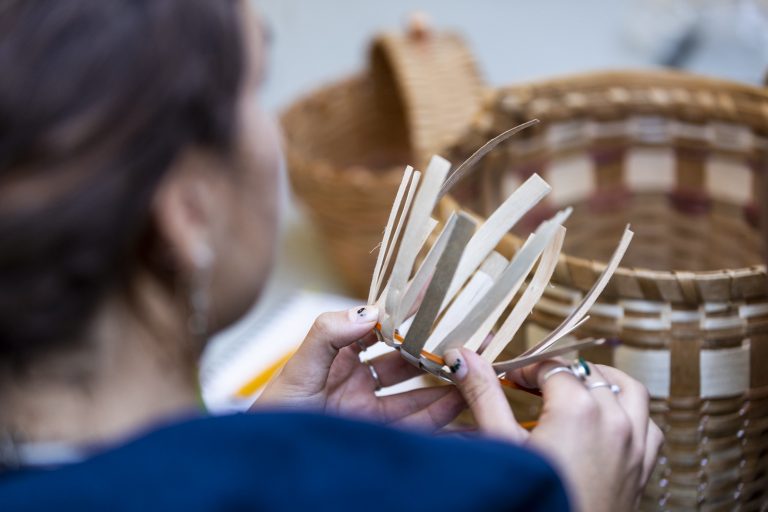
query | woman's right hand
[604, 445]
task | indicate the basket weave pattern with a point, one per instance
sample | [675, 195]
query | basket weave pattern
[347, 144]
[683, 159]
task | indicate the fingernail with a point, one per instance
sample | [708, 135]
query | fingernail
[364, 314]
[456, 363]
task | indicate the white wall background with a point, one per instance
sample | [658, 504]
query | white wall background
[317, 41]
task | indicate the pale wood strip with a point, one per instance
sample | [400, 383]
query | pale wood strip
[385, 240]
[458, 236]
[475, 157]
[530, 297]
[521, 362]
[498, 225]
[415, 229]
[483, 316]
[396, 236]
[589, 299]
[650, 367]
[476, 340]
[431, 225]
[425, 272]
[476, 288]
[724, 372]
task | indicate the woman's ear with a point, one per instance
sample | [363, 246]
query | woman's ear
[186, 208]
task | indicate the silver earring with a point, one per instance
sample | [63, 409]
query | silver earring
[199, 301]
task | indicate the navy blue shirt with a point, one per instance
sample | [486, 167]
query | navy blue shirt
[292, 461]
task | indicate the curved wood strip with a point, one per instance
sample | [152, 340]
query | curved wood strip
[415, 230]
[498, 224]
[389, 240]
[485, 313]
[581, 310]
[530, 297]
[476, 288]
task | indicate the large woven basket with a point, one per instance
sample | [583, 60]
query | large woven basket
[347, 143]
[683, 159]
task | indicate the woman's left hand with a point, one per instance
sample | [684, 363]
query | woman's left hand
[326, 374]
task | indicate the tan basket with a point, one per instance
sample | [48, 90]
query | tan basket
[682, 158]
[347, 144]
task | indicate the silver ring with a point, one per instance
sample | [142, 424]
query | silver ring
[374, 375]
[555, 371]
[613, 387]
[580, 369]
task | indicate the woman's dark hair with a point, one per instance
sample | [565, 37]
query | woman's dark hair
[97, 98]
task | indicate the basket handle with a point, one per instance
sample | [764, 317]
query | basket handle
[419, 26]
[430, 79]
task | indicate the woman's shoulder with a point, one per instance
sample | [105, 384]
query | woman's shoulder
[279, 460]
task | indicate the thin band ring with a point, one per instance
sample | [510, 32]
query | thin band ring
[613, 387]
[374, 375]
[554, 371]
[371, 369]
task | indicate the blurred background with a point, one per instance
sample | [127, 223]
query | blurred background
[314, 43]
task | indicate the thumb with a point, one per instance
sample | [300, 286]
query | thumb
[330, 333]
[477, 381]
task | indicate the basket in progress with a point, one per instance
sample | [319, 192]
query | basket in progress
[347, 143]
[683, 159]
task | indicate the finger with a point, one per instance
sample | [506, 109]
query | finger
[412, 403]
[427, 408]
[633, 397]
[393, 369]
[330, 333]
[528, 376]
[482, 391]
[603, 394]
[562, 392]
[362, 344]
[654, 440]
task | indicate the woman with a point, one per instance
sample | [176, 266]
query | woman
[138, 178]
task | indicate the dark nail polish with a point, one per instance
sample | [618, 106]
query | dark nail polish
[364, 314]
[456, 364]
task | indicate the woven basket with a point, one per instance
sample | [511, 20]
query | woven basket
[347, 144]
[682, 158]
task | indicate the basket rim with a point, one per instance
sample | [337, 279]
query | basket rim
[641, 75]
[598, 266]
[310, 94]
[722, 99]
[640, 78]
[319, 167]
